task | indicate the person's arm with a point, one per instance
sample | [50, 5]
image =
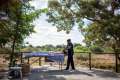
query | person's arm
[64, 51]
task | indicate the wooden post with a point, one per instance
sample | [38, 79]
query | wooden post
[39, 61]
[116, 61]
[21, 54]
[28, 61]
[90, 60]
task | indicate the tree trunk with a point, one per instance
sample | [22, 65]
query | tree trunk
[12, 53]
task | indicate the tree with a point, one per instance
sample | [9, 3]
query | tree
[96, 49]
[80, 48]
[77, 44]
[16, 23]
[103, 16]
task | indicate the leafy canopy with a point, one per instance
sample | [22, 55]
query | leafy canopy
[16, 20]
[103, 15]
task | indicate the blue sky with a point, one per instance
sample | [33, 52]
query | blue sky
[47, 33]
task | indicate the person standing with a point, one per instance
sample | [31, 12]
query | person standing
[70, 53]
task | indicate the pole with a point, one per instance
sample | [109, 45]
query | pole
[21, 55]
[116, 61]
[39, 61]
[28, 61]
[90, 60]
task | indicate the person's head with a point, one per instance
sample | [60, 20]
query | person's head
[69, 41]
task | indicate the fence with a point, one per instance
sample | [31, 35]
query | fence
[98, 60]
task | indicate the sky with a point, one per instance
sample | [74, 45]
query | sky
[46, 33]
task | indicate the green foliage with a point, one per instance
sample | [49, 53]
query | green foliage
[77, 48]
[102, 14]
[60, 16]
[80, 48]
[96, 49]
[16, 19]
[17, 24]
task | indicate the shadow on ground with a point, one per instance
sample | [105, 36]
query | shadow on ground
[104, 73]
[46, 74]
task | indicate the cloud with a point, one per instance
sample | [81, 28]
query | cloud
[46, 33]
[39, 4]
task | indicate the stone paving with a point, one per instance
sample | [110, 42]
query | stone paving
[53, 73]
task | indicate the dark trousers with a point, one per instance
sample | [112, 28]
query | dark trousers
[70, 62]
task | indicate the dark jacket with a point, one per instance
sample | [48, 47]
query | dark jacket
[70, 49]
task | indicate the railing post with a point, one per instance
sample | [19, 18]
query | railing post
[90, 61]
[28, 60]
[39, 61]
[116, 61]
[21, 57]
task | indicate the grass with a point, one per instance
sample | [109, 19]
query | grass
[102, 61]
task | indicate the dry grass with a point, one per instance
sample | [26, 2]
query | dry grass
[103, 61]
[3, 63]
